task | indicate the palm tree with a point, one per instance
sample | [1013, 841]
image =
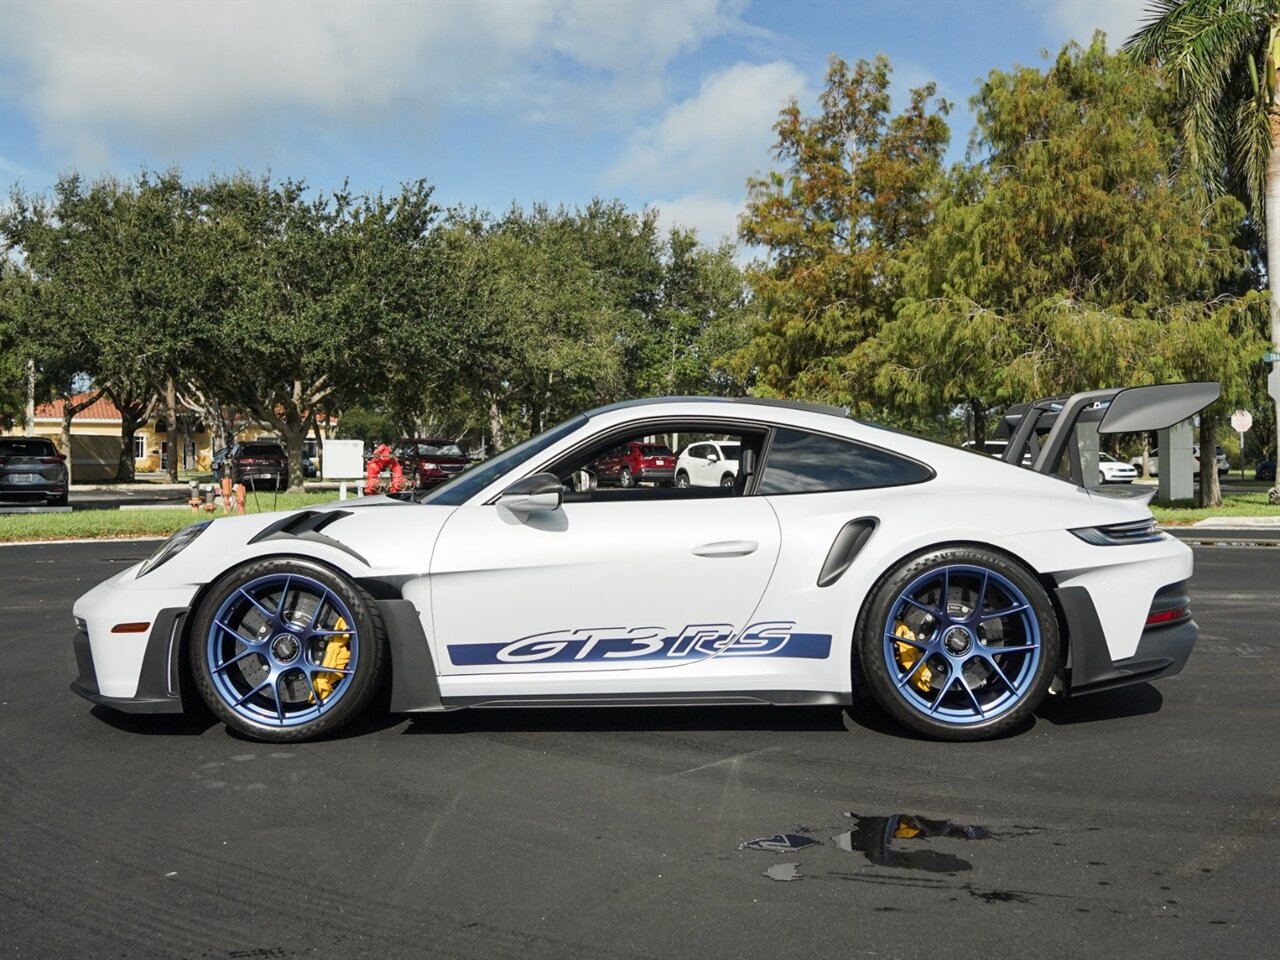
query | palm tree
[1223, 56]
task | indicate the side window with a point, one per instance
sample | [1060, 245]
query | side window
[699, 451]
[800, 462]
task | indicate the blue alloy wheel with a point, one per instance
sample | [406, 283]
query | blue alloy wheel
[962, 645]
[282, 650]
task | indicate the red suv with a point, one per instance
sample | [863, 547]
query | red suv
[428, 461]
[635, 462]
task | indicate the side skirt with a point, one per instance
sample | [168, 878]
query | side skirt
[802, 698]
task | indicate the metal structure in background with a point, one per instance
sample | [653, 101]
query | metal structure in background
[1043, 431]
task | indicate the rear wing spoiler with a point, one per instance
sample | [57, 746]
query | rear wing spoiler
[1041, 432]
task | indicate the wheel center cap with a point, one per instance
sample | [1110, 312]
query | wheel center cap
[957, 640]
[285, 648]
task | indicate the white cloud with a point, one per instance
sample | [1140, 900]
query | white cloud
[714, 218]
[716, 138]
[183, 75]
[1077, 19]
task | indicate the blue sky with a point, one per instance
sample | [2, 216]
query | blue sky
[665, 104]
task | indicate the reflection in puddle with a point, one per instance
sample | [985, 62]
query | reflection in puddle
[873, 837]
[780, 843]
[784, 871]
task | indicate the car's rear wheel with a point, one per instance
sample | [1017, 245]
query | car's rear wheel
[285, 650]
[682, 480]
[959, 644]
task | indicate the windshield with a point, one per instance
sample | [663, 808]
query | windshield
[655, 450]
[439, 450]
[27, 447]
[470, 482]
[262, 450]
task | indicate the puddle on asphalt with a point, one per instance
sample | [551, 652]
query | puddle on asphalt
[892, 841]
[784, 871]
[874, 838]
[780, 843]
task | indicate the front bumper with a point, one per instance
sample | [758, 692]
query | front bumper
[159, 688]
[137, 671]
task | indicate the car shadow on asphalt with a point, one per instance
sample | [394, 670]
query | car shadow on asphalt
[194, 723]
[1137, 700]
[627, 719]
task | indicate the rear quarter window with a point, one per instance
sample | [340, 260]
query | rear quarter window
[803, 462]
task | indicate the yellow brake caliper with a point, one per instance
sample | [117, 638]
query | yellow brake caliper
[908, 655]
[337, 654]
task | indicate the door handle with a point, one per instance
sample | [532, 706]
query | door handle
[726, 548]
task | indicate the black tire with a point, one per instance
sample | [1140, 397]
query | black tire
[58, 501]
[349, 696]
[682, 480]
[728, 480]
[1033, 675]
[626, 478]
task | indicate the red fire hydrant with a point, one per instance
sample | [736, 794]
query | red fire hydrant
[383, 460]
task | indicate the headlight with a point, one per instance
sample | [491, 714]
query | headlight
[173, 546]
[1115, 534]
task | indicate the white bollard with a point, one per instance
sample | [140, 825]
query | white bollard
[342, 490]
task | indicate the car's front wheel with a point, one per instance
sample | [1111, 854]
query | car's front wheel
[286, 649]
[959, 643]
[626, 478]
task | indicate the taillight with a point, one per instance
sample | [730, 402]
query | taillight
[51, 459]
[1168, 616]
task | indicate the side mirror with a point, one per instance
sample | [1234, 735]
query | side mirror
[713, 457]
[540, 493]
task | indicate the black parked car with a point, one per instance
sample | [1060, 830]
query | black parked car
[258, 464]
[32, 470]
[1265, 470]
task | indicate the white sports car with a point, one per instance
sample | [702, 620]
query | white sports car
[957, 590]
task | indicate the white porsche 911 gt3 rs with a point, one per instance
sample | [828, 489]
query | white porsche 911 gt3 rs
[957, 590]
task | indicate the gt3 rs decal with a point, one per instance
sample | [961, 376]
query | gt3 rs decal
[772, 638]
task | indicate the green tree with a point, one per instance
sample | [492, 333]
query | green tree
[1223, 57]
[1059, 261]
[858, 187]
[326, 292]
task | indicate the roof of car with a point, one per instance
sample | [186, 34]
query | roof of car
[841, 412]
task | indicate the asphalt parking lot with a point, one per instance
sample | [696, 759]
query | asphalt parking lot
[1139, 823]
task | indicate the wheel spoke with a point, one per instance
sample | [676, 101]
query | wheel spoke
[933, 707]
[263, 610]
[1005, 613]
[331, 633]
[972, 696]
[1000, 673]
[252, 693]
[1019, 649]
[982, 595]
[912, 672]
[925, 607]
[275, 693]
[255, 641]
[944, 601]
[314, 668]
[919, 644]
[234, 660]
[320, 602]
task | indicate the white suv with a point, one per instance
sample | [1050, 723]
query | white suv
[1154, 461]
[711, 463]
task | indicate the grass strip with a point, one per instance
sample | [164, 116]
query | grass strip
[1252, 504]
[116, 524]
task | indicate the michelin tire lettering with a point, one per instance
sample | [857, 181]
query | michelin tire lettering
[770, 638]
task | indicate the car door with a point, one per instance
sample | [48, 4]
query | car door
[619, 585]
